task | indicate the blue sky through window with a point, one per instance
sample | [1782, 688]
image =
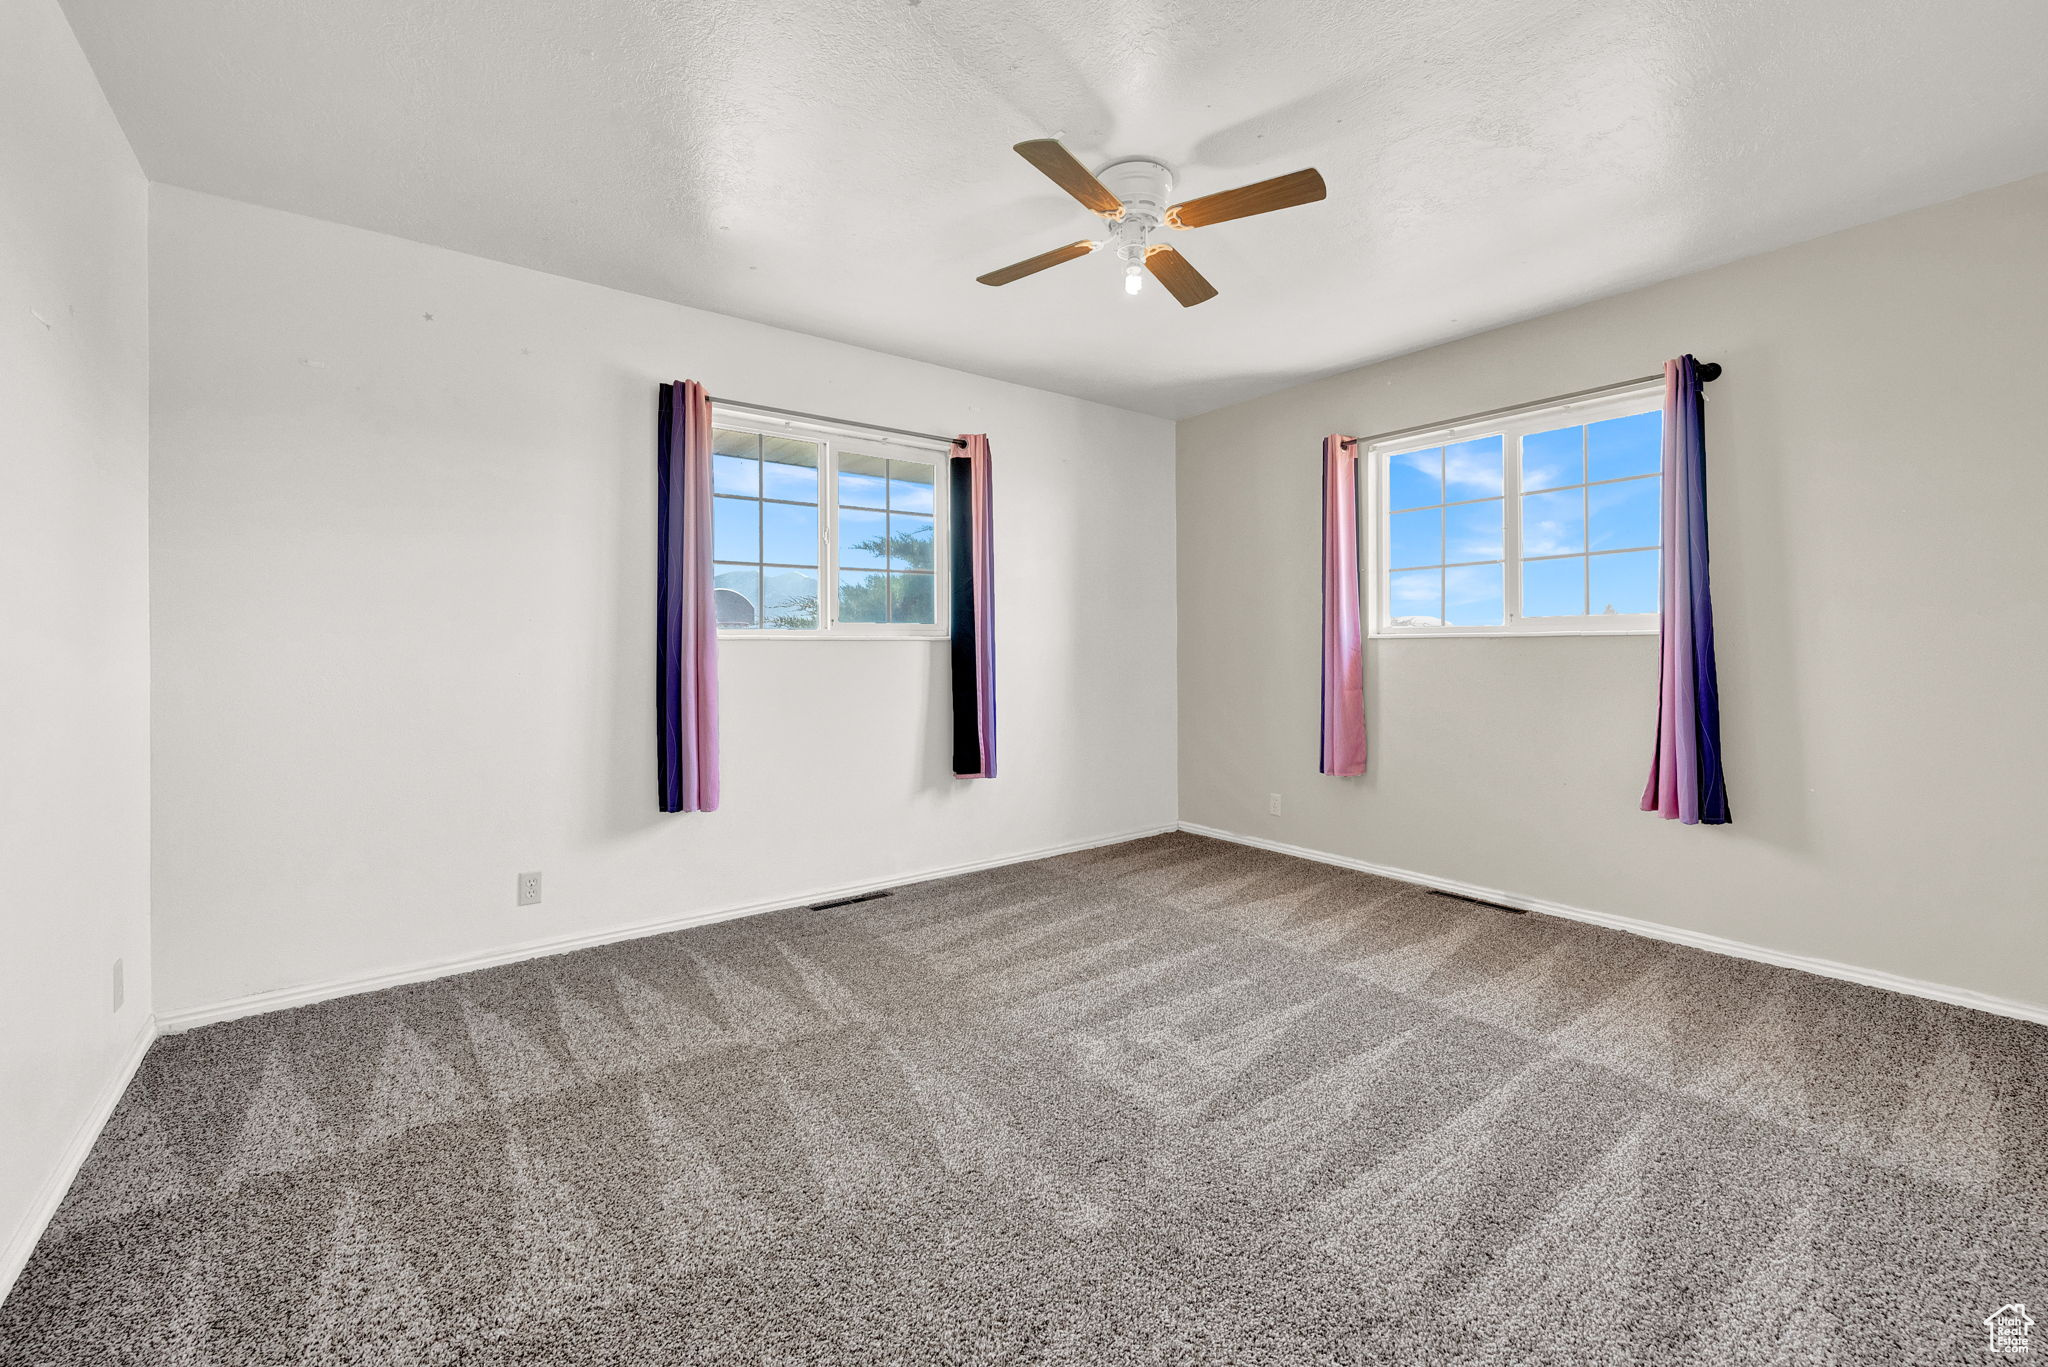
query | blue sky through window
[1444, 535]
[764, 530]
[1591, 510]
[1588, 510]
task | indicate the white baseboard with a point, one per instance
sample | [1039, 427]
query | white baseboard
[22, 1242]
[283, 999]
[1826, 968]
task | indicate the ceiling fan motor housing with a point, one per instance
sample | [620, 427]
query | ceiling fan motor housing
[1146, 187]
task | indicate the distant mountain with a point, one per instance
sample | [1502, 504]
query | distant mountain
[790, 594]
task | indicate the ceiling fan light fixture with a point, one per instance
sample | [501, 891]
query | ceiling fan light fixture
[1134, 278]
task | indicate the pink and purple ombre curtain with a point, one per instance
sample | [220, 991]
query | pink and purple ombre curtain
[1343, 749]
[972, 532]
[686, 627]
[1686, 783]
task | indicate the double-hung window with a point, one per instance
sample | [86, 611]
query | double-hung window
[822, 535]
[1542, 522]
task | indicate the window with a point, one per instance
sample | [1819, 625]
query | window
[1540, 522]
[819, 535]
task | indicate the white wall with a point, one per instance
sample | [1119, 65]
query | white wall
[1878, 484]
[403, 542]
[74, 612]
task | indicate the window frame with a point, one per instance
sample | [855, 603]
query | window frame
[832, 443]
[1512, 427]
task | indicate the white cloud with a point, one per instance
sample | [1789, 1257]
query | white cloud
[1552, 536]
[1413, 587]
[1473, 468]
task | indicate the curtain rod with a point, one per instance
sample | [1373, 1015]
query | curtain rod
[835, 422]
[1709, 371]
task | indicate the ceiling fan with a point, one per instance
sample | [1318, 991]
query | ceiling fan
[1131, 193]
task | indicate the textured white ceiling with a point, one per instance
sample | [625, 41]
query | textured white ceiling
[842, 167]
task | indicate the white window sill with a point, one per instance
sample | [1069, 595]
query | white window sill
[822, 636]
[1485, 634]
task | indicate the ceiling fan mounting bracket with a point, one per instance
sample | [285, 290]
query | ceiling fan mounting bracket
[1143, 184]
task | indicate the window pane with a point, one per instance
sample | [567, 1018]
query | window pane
[1554, 524]
[1416, 479]
[1472, 531]
[1472, 469]
[1472, 596]
[735, 475]
[789, 469]
[791, 598]
[1415, 538]
[1415, 598]
[735, 593]
[1624, 515]
[1625, 582]
[1554, 458]
[863, 597]
[1554, 588]
[863, 482]
[862, 539]
[913, 597]
[1625, 446]
[734, 467]
[735, 529]
[789, 533]
[910, 486]
[910, 542]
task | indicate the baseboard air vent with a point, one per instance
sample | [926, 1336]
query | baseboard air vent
[847, 901]
[1512, 911]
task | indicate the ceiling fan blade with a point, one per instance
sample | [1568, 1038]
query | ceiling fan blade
[1182, 281]
[1070, 175]
[1281, 192]
[1033, 265]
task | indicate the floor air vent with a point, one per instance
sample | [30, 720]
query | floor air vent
[847, 901]
[1512, 911]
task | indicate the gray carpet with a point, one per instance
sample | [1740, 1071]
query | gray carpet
[1168, 1102]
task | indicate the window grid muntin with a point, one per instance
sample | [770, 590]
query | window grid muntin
[887, 571]
[760, 564]
[831, 445]
[1584, 487]
[1442, 505]
[1513, 428]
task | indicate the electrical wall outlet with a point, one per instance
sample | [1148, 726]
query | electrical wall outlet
[529, 889]
[120, 982]
[1272, 804]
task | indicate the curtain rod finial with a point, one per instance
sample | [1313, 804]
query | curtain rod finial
[1709, 371]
